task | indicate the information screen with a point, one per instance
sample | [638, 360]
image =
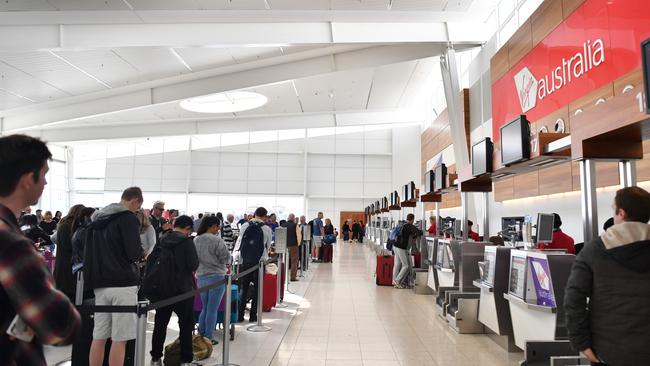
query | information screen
[482, 157]
[440, 255]
[545, 228]
[518, 277]
[515, 141]
[429, 184]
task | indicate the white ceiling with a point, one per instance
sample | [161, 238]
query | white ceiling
[57, 91]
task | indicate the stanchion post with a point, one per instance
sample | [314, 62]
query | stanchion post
[260, 298]
[278, 298]
[225, 359]
[141, 333]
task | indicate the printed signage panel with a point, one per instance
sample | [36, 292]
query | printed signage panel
[595, 45]
[542, 281]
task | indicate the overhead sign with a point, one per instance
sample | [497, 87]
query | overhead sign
[595, 45]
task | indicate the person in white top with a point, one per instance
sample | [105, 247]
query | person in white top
[147, 233]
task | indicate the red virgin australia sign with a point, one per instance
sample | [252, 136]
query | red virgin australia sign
[597, 44]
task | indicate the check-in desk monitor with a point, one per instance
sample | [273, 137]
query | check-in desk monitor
[536, 294]
[494, 311]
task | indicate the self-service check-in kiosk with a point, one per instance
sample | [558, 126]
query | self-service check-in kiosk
[457, 268]
[494, 310]
[536, 293]
[432, 276]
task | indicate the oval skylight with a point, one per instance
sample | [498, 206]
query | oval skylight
[225, 102]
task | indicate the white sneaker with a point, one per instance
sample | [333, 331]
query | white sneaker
[156, 362]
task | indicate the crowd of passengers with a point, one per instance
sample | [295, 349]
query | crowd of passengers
[607, 298]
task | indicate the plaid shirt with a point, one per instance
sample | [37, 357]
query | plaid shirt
[27, 288]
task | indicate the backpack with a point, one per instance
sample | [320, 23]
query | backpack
[394, 236]
[252, 243]
[201, 348]
[159, 279]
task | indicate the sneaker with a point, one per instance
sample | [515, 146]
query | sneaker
[157, 362]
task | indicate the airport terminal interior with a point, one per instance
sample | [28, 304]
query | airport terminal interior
[441, 180]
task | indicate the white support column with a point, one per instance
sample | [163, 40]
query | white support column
[627, 173]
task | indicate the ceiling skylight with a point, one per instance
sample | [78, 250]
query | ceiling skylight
[225, 102]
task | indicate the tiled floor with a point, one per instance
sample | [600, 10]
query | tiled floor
[338, 316]
[347, 320]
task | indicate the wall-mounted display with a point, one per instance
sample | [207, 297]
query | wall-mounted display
[645, 55]
[440, 177]
[482, 157]
[429, 184]
[515, 141]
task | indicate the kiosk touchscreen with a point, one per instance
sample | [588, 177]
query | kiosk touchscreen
[536, 293]
[440, 177]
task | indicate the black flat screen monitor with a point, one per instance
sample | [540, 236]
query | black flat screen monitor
[411, 189]
[384, 203]
[405, 193]
[440, 177]
[511, 226]
[482, 157]
[645, 65]
[545, 228]
[394, 198]
[429, 184]
[515, 141]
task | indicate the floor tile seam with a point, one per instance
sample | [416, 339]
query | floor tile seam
[293, 316]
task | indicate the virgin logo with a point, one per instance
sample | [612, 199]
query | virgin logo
[529, 88]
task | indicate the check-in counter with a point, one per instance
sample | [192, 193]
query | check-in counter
[494, 311]
[432, 276]
[457, 268]
[536, 293]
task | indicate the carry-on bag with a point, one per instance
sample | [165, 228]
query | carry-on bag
[234, 310]
[417, 259]
[270, 292]
[384, 272]
[327, 251]
[201, 348]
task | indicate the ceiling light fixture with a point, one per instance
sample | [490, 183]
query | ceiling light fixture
[225, 102]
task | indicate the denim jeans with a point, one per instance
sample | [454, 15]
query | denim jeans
[211, 300]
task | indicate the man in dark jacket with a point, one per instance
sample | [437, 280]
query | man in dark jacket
[187, 261]
[607, 298]
[403, 265]
[294, 236]
[27, 292]
[111, 251]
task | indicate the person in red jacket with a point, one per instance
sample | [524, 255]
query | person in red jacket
[560, 239]
[472, 234]
[432, 228]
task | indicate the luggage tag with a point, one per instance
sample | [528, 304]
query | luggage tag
[20, 330]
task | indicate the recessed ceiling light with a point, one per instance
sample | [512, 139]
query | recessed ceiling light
[225, 102]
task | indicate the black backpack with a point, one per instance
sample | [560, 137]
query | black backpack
[159, 279]
[252, 243]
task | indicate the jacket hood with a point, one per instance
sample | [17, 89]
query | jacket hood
[109, 210]
[628, 244]
[100, 219]
[172, 239]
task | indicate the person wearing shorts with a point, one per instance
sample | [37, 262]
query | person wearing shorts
[318, 232]
[111, 251]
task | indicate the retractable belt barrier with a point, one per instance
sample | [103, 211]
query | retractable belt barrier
[166, 302]
[144, 307]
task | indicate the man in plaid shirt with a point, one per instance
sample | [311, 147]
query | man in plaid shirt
[26, 286]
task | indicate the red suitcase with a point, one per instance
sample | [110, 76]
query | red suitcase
[384, 274]
[270, 292]
[417, 260]
[328, 252]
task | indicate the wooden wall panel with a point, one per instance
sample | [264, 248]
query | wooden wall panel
[526, 185]
[606, 173]
[520, 43]
[575, 172]
[504, 189]
[556, 179]
[499, 64]
[546, 18]
[569, 6]
[643, 168]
